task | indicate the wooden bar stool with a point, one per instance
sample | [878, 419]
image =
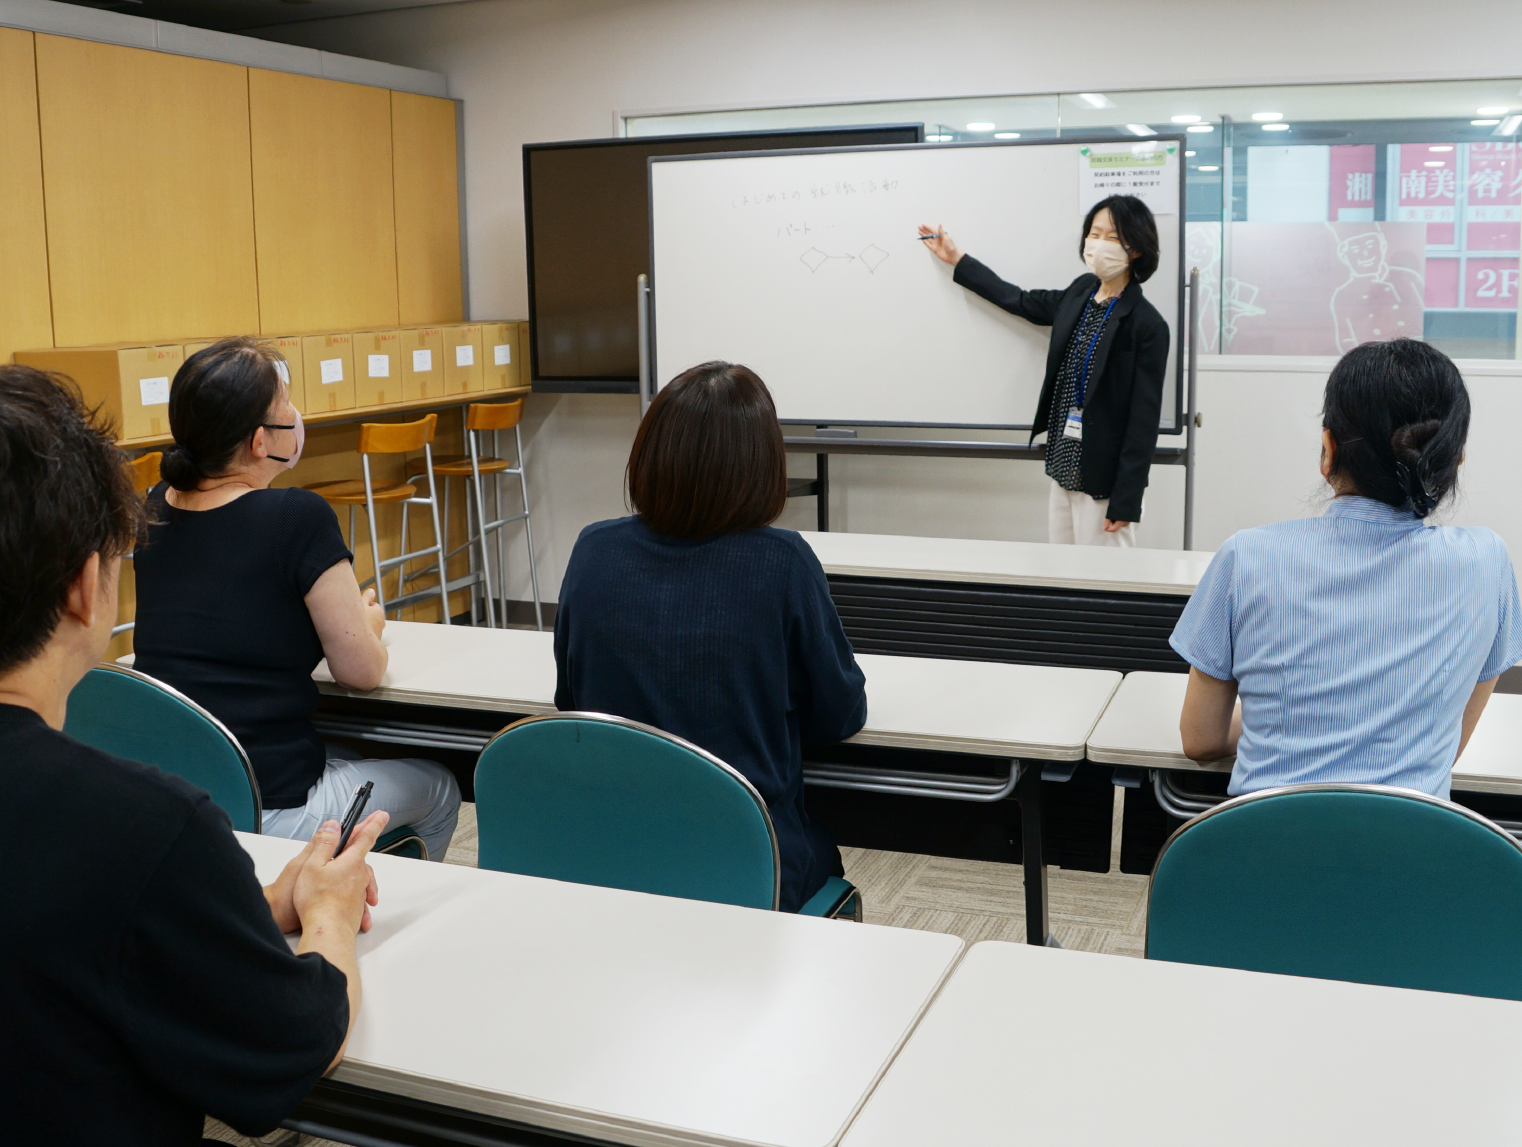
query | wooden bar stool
[393, 438]
[145, 476]
[482, 418]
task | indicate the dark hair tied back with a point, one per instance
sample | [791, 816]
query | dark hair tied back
[218, 399]
[1399, 413]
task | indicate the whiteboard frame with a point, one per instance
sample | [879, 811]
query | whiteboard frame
[1181, 320]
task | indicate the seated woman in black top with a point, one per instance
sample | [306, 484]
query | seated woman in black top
[698, 618]
[144, 980]
[242, 589]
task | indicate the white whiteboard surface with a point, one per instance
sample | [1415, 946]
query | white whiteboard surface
[805, 266]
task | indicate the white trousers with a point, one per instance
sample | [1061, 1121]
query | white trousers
[1075, 519]
[421, 793]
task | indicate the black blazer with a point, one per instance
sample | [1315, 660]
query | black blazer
[1125, 389]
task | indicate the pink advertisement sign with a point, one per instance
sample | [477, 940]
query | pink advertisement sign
[1428, 186]
[1323, 288]
[1351, 186]
[1493, 207]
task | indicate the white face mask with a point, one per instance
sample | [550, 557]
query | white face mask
[1105, 257]
[300, 430]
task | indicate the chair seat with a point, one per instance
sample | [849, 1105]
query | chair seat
[830, 899]
[352, 491]
[456, 466]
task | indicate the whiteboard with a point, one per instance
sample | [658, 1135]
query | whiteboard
[805, 266]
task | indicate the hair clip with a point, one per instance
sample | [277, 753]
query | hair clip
[1416, 490]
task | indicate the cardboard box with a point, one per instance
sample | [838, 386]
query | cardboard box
[328, 363]
[422, 351]
[129, 383]
[462, 359]
[293, 370]
[191, 348]
[378, 367]
[501, 357]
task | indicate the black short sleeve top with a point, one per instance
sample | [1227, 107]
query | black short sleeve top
[221, 616]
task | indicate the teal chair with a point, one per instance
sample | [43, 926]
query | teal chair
[131, 715]
[594, 799]
[1365, 883]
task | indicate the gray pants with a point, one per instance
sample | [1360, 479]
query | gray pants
[416, 792]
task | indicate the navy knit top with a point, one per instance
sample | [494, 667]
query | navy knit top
[729, 642]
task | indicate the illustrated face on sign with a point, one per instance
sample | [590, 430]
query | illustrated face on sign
[1364, 254]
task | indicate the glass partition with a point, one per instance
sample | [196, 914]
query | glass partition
[1320, 216]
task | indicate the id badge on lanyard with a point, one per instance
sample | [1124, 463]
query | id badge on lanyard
[1074, 426]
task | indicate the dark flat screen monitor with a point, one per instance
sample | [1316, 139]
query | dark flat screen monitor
[587, 209]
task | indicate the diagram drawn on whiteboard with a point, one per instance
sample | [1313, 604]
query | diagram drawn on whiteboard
[871, 257]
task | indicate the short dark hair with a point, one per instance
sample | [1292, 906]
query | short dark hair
[708, 458]
[1399, 413]
[65, 493]
[1136, 228]
[218, 398]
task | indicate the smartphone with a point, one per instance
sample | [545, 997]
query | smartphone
[351, 818]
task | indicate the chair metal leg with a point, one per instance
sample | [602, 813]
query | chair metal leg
[438, 536]
[528, 529]
[1028, 792]
[375, 558]
[401, 569]
[496, 499]
[475, 472]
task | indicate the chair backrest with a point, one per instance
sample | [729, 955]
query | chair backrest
[145, 471]
[595, 799]
[129, 714]
[396, 437]
[494, 415]
[1365, 883]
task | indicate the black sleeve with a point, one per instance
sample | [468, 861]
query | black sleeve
[313, 542]
[565, 695]
[1039, 307]
[214, 1005]
[833, 693]
[1140, 438]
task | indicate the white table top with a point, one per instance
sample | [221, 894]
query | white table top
[1140, 727]
[1010, 563]
[1039, 1045]
[983, 707]
[640, 1019]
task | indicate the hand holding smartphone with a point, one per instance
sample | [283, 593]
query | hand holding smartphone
[353, 815]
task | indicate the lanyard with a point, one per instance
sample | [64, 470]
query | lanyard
[1083, 380]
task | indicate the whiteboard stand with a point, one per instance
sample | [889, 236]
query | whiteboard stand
[1191, 416]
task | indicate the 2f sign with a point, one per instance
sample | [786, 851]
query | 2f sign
[1496, 283]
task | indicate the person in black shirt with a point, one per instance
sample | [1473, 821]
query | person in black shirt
[1103, 392]
[243, 589]
[700, 619]
[144, 979]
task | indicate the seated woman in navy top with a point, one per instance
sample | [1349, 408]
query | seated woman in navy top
[1364, 643]
[696, 617]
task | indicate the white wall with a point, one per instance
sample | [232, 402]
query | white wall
[534, 70]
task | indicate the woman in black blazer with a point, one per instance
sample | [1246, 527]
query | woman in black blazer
[1103, 392]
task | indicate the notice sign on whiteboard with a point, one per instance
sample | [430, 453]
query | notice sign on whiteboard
[1148, 171]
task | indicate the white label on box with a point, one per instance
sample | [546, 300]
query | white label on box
[502, 354]
[155, 391]
[465, 355]
[332, 370]
[284, 372]
[380, 366]
[422, 361]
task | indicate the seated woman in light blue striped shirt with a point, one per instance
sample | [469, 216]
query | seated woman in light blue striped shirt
[1363, 644]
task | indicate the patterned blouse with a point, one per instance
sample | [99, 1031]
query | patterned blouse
[1064, 456]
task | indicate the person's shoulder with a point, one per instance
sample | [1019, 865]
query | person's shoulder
[1086, 284]
[1143, 313]
[139, 796]
[788, 545]
[1484, 543]
[294, 500]
[608, 530]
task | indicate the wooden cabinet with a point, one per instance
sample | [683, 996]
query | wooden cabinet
[425, 175]
[26, 318]
[146, 171]
[323, 204]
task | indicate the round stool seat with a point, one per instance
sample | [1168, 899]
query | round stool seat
[352, 491]
[456, 466]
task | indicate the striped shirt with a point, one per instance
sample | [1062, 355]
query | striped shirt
[1355, 640]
